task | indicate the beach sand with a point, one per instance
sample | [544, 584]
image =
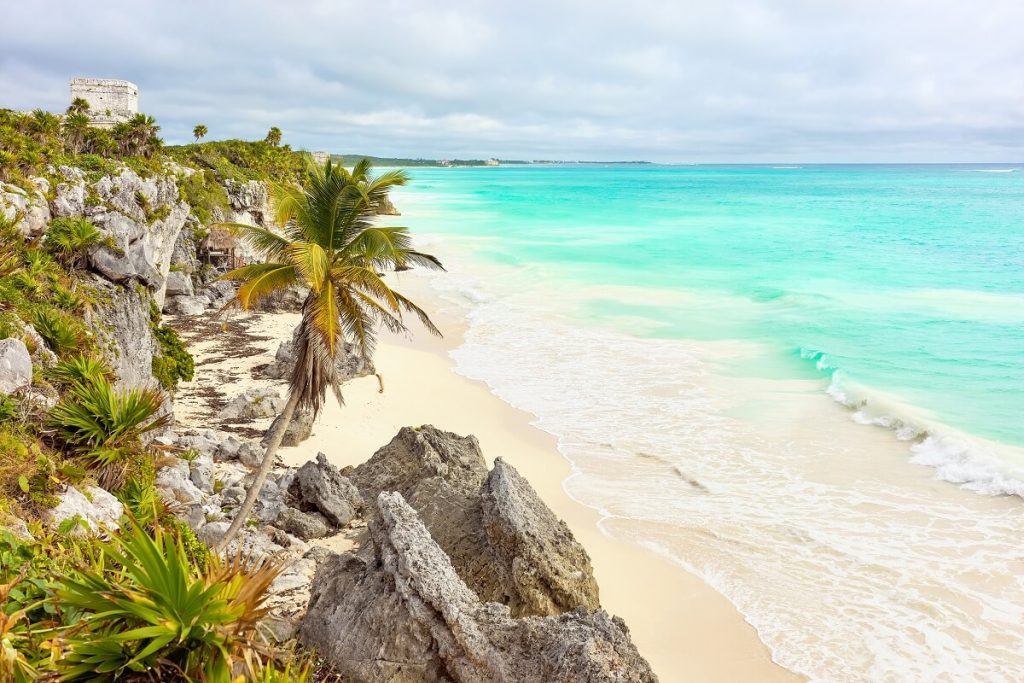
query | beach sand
[686, 630]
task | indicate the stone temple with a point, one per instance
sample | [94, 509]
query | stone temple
[110, 101]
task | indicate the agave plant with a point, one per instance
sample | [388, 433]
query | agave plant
[146, 609]
[102, 424]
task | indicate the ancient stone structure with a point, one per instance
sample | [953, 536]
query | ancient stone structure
[320, 158]
[110, 101]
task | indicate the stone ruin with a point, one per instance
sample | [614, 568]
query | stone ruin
[110, 101]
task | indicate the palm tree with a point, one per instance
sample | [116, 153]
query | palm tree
[329, 244]
[79, 105]
[75, 129]
[273, 137]
[200, 132]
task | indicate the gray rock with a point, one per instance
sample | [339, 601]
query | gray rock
[299, 429]
[96, 508]
[318, 485]
[121, 319]
[15, 525]
[253, 404]
[179, 284]
[251, 454]
[305, 525]
[398, 611]
[233, 495]
[31, 208]
[349, 364]
[174, 484]
[541, 566]
[504, 542]
[15, 366]
[186, 305]
[41, 353]
[201, 472]
[318, 554]
[185, 256]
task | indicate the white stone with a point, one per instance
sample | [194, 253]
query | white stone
[98, 509]
[15, 366]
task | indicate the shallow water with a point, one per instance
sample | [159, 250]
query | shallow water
[686, 332]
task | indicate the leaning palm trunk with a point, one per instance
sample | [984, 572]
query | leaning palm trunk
[261, 475]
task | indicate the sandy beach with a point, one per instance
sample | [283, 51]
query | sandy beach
[686, 630]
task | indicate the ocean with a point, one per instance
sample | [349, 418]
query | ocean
[803, 383]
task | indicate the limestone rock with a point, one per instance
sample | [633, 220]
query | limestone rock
[253, 404]
[174, 484]
[98, 509]
[501, 538]
[305, 525]
[31, 208]
[186, 305]
[121, 318]
[15, 366]
[318, 485]
[546, 571]
[349, 363]
[398, 611]
[299, 429]
[179, 284]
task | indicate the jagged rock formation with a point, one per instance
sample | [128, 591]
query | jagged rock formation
[504, 542]
[318, 485]
[122, 323]
[140, 217]
[31, 208]
[398, 611]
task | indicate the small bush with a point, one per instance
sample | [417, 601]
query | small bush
[71, 239]
[61, 332]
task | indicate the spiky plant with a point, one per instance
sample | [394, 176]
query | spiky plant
[104, 425]
[71, 239]
[148, 610]
[329, 243]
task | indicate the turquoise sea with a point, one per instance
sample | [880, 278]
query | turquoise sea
[904, 282]
[803, 384]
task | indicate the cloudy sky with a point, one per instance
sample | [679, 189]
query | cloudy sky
[682, 80]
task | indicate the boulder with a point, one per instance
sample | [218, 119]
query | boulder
[299, 429]
[179, 284]
[305, 525]
[96, 508]
[502, 539]
[15, 366]
[319, 486]
[543, 568]
[251, 454]
[253, 404]
[397, 611]
[186, 305]
[201, 472]
[348, 363]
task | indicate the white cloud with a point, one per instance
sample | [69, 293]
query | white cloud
[756, 80]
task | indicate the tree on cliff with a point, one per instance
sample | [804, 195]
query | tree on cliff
[200, 132]
[79, 105]
[75, 130]
[329, 244]
[273, 137]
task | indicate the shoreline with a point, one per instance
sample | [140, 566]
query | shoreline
[684, 627]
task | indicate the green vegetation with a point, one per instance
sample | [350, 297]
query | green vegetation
[273, 137]
[200, 132]
[70, 239]
[242, 161]
[173, 363]
[330, 244]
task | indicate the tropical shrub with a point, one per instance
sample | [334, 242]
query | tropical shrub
[61, 332]
[104, 426]
[173, 363]
[70, 239]
[147, 609]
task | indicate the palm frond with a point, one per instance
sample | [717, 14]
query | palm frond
[266, 242]
[311, 262]
[259, 280]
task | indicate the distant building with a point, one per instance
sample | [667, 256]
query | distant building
[320, 158]
[492, 162]
[110, 101]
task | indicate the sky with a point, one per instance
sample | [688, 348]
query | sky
[683, 81]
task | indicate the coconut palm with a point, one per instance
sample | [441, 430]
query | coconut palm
[200, 132]
[79, 105]
[329, 243]
[273, 137]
